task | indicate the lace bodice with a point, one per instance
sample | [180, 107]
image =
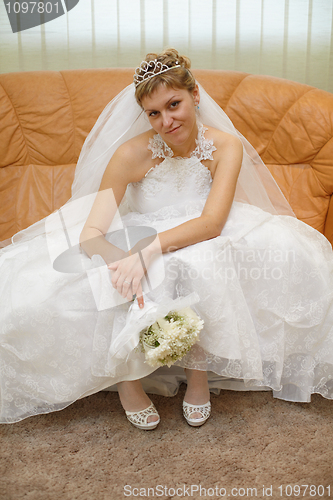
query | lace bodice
[175, 180]
[203, 151]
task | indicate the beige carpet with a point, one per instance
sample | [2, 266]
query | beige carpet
[90, 452]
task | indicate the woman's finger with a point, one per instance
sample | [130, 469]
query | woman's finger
[139, 296]
[127, 291]
[115, 277]
[113, 265]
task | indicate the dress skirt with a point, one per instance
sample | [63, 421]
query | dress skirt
[265, 295]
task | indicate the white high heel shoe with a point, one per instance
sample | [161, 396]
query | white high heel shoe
[140, 418]
[189, 409]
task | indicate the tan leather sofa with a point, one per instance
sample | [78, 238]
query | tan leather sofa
[45, 117]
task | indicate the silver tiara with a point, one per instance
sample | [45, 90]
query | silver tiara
[149, 69]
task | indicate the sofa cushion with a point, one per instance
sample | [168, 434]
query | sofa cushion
[31, 192]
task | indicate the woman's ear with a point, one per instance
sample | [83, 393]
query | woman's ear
[196, 95]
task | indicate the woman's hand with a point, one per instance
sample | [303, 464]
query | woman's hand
[128, 272]
[126, 276]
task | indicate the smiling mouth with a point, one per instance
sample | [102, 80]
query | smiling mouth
[173, 130]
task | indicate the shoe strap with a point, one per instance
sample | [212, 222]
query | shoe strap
[189, 409]
[141, 417]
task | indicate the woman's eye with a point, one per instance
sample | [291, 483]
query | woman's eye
[174, 104]
[153, 113]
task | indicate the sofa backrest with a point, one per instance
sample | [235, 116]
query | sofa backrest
[45, 117]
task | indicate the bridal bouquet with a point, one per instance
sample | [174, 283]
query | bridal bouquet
[170, 337]
[165, 331]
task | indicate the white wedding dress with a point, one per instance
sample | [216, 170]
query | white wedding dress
[265, 293]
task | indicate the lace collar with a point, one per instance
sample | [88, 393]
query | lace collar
[203, 151]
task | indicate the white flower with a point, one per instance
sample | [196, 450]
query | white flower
[171, 337]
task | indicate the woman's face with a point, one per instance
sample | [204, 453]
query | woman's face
[171, 113]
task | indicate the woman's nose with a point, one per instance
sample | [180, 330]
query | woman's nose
[167, 120]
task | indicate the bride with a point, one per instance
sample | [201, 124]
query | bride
[168, 199]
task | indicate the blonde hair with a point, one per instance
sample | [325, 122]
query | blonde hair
[177, 78]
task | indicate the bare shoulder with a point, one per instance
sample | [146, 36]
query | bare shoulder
[222, 139]
[229, 150]
[131, 157]
[135, 148]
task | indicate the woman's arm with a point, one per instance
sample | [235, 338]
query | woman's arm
[118, 174]
[218, 204]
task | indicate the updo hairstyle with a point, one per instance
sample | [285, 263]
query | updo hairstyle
[176, 78]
